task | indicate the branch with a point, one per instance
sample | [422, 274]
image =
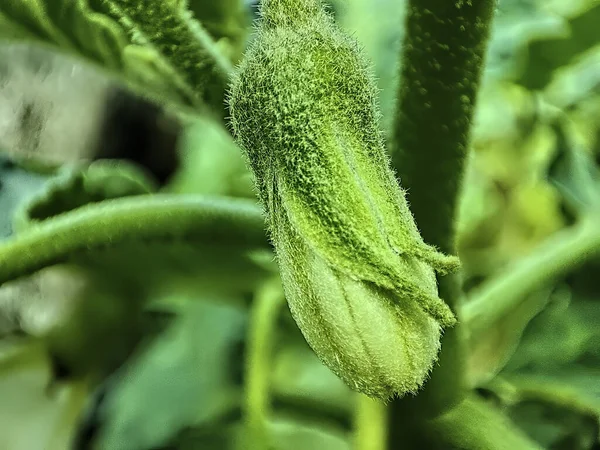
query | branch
[150, 218]
[561, 253]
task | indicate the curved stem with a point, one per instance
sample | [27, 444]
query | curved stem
[263, 325]
[142, 218]
[558, 255]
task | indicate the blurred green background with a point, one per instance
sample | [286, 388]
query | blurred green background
[532, 174]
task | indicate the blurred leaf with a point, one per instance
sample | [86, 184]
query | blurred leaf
[29, 417]
[480, 210]
[562, 334]
[71, 25]
[181, 379]
[225, 20]
[79, 28]
[301, 379]
[287, 432]
[576, 82]
[575, 174]
[555, 428]
[472, 425]
[551, 385]
[379, 28]
[547, 55]
[559, 408]
[489, 352]
[209, 150]
[292, 434]
[517, 24]
[78, 185]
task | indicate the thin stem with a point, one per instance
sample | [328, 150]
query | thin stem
[155, 217]
[263, 325]
[370, 424]
[561, 253]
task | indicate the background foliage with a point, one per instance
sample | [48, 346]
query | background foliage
[178, 374]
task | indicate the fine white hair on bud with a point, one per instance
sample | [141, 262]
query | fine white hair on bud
[358, 278]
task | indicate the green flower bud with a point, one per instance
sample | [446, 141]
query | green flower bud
[359, 279]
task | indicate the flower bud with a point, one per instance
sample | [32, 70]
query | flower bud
[359, 279]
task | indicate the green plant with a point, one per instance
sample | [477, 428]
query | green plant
[154, 283]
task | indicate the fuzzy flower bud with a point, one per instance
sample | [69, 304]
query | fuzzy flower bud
[359, 280]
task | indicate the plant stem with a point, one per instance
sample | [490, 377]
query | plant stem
[139, 218]
[370, 424]
[263, 326]
[560, 254]
[443, 57]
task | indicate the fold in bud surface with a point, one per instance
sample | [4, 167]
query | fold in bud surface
[358, 278]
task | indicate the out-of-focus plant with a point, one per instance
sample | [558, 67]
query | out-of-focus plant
[141, 302]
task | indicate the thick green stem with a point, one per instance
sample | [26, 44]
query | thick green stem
[442, 63]
[443, 55]
[150, 218]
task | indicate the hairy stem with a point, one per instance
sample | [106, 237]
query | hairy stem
[443, 56]
[146, 218]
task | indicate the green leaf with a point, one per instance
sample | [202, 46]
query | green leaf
[32, 418]
[575, 173]
[208, 149]
[225, 20]
[181, 379]
[76, 28]
[71, 25]
[291, 433]
[546, 55]
[558, 407]
[182, 42]
[301, 380]
[287, 432]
